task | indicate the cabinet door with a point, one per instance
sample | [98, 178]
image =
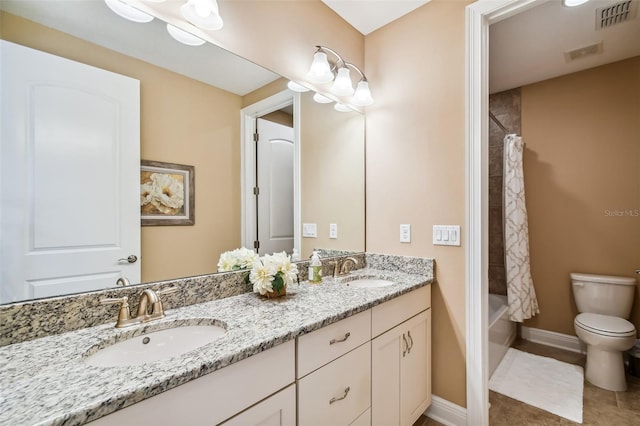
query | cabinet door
[401, 372]
[277, 410]
[386, 353]
[415, 369]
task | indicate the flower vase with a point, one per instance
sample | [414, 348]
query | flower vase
[275, 294]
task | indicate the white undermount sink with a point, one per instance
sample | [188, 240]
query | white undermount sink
[156, 346]
[369, 283]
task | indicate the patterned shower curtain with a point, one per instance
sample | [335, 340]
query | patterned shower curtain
[521, 295]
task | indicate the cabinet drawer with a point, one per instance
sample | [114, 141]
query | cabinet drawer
[323, 398]
[328, 343]
[389, 314]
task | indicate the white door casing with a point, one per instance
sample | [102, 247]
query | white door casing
[275, 158]
[69, 175]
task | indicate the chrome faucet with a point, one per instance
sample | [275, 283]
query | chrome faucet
[340, 269]
[149, 307]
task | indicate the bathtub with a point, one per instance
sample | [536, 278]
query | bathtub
[502, 332]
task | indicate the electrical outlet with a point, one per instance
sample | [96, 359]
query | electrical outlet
[405, 233]
[333, 230]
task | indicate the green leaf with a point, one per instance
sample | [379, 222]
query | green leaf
[278, 282]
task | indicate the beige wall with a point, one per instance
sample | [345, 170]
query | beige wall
[332, 168]
[182, 121]
[582, 160]
[415, 162]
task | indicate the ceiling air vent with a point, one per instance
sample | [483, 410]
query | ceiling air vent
[592, 49]
[615, 14]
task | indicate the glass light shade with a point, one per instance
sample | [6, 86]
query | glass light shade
[184, 37]
[128, 12]
[362, 97]
[320, 71]
[203, 14]
[321, 99]
[342, 85]
[297, 87]
[341, 107]
[572, 3]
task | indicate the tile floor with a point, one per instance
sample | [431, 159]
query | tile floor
[600, 407]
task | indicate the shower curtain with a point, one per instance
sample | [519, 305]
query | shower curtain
[521, 295]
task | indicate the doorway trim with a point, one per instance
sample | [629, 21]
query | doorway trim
[479, 16]
[248, 116]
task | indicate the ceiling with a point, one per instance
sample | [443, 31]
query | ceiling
[524, 48]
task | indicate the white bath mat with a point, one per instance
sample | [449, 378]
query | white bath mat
[546, 383]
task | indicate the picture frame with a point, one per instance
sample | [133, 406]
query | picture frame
[167, 194]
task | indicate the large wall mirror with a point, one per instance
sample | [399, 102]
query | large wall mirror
[191, 98]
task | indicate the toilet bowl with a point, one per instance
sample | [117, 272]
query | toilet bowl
[604, 303]
[606, 337]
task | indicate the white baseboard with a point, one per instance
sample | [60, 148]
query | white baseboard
[551, 338]
[446, 412]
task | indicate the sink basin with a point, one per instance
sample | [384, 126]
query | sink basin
[156, 346]
[369, 283]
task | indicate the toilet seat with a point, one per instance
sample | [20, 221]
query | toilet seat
[605, 325]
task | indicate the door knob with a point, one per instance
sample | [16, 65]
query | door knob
[131, 259]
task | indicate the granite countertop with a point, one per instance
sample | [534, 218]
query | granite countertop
[46, 381]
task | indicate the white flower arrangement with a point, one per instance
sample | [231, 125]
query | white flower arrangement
[271, 274]
[237, 259]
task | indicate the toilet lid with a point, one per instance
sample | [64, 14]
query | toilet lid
[605, 324]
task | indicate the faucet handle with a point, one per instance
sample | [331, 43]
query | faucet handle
[158, 308]
[167, 290]
[124, 315]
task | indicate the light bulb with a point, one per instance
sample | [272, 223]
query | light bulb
[320, 70]
[183, 36]
[321, 99]
[128, 12]
[572, 3]
[341, 107]
[292, 85]
[203, 14]
[362, 97]
[342, 85]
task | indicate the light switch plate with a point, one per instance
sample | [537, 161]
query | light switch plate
[333, 230]
[309, 230]
[405, 233]
[446, 235]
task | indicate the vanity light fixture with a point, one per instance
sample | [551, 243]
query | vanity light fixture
[203, 14]
[122, 9]
[183, 36]
[323, 71]
[573, 3]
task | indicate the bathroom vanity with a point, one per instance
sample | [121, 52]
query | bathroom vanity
[325, 354]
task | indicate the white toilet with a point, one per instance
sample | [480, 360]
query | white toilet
[605, 304]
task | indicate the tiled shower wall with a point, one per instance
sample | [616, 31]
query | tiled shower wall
[505, 106]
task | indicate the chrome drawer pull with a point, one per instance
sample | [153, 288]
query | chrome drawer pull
[410, 342]
[346, 336]
[346, 392]
[405, 346]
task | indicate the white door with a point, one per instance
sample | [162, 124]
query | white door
[69, 176]
[275, 187]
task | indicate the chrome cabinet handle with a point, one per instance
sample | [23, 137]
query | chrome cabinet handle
[410, 342]
[405, 346]
[346, 392]
[346, 336]
[131, 259]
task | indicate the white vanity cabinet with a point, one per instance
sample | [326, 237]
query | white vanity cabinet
[216, 397]
[277, 410]
[334, 373]
[401, 360]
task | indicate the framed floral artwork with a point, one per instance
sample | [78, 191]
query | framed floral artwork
[167, 194]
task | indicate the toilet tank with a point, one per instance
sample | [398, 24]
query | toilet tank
[603, 294]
